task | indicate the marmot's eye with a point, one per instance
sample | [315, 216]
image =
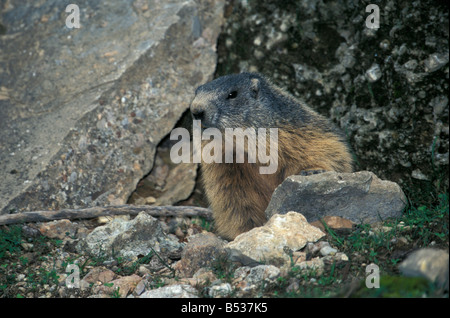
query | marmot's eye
[232, 95]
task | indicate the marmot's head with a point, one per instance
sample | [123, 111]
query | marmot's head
[234, 101]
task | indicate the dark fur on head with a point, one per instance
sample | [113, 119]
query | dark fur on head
[245, 100]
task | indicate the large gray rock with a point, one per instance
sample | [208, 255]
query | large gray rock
[82, 110]
[360, 197]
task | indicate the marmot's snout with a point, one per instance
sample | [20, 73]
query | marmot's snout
[197, 114]
[202, 110]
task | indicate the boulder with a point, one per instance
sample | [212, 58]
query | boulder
[83, 109]
[360, 197]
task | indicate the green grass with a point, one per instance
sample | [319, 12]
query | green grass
[397, 287]
[10, 240]
[13, 262]
[429, 223]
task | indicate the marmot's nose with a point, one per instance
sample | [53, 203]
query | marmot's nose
[198, 114]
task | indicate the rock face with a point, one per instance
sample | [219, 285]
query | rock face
[360, 197]
[274, 242]
[82, 110]
[387, 88]
[129, 239]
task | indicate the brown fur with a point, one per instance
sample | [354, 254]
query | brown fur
[239, 194]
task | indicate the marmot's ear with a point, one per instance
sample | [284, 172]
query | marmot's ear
[255, 87]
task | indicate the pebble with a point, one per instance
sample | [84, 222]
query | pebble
[316, 264]
[173, 291]
[373, 74]
[435, 61]
[222, 290]
[328, 250]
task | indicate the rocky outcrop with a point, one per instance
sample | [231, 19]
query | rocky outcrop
[386, 88]
[83, 109]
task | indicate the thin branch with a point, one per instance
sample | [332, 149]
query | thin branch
[93, 212]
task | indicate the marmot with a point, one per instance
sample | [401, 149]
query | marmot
[238, 194]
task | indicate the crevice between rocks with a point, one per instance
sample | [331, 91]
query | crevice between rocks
[167, 183]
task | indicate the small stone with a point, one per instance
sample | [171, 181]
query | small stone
[328, 250]
[410, 65]
[435, 61]
[314, 265]
[385, 44]
[419, 175]
[126, 284]
[58, 229]
[99, 274]
[240, 258]
[29, 231]
[150, 200]
[27, 246]
[106, 276]
[257, 41]
[204, 275]
[298, 257]
[293, 286]
[140, 287]
[262, 273]
[439, 103]
[373, 74]
[219, 291]
[202, 250]
[173, 291]
[143, 270]
[312, 248]
[333, 222]
[341, 257]
[258, 54]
